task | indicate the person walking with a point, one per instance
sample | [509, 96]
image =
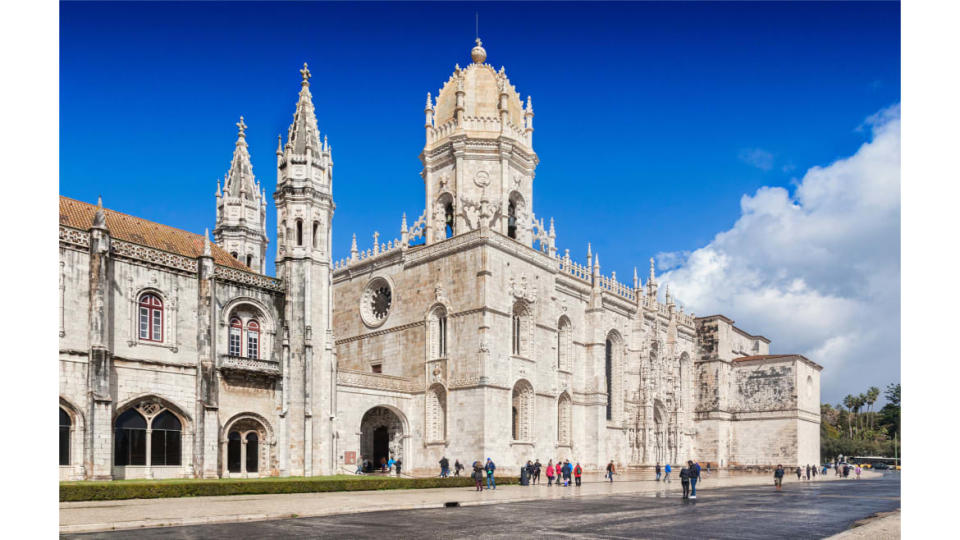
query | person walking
[658, 471]
[558, 470]
[858, 472]
[577, 473]
[666, 472]
[444, 467]
[685, 482]
[808, 473]
[523, 474]
[398, 463]
[694, 476]
[567, 472]
[611, 470]
[799, 472]
[390, 464]
[778, 476]
[359, 466]
[457, 467]
[478, 475]
[490, 468]
[536, 471]
[550, 473]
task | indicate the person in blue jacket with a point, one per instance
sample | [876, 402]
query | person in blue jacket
[490, 467]
[666, 470]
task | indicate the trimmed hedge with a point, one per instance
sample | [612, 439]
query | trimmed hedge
[105, 491]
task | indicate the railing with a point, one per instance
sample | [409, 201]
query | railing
[247, 278]
[249, 365]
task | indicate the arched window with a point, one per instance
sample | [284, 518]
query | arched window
[437, 333]
[609, 375]
[253, 452]
[235, 255]
[564, 420]
[316, 230]
[151, 318]
[512, 219]
[249, 261]
[165, 439]
[236, 328]
[130, 439]
[516, 333]
[564, 344]
[448, 219]
[521, 333]
[253, 339]
[299, 232]
[64, 437]
[233, 452]
[522, 411]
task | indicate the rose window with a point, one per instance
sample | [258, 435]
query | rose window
[376, 302]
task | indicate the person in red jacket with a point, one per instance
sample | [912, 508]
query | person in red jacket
[577, 472]
[558, 469]
[550, 473]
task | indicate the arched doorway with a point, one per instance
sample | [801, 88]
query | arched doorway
[381, 435]
[247, 449]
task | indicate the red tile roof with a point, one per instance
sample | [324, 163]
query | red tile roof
[79, 215]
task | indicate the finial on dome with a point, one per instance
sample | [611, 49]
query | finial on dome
[241, 127]
[478, 53]
[305, 73]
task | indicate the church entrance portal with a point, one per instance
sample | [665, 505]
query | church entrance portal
[381, 435]
[381, 444]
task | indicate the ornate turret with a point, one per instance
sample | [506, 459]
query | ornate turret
[241, 227]
[304, 200]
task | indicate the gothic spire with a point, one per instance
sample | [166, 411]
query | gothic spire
[303, 131]
[240, 177]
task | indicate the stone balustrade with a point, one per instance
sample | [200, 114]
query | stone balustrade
[243, 364]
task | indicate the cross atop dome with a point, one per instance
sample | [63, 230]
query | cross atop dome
[478, 53]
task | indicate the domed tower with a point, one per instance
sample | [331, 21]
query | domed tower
[241, 227]
[478, 160]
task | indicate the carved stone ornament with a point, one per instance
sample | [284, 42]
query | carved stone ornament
[521, 291]
[441, 296]
[482, 179]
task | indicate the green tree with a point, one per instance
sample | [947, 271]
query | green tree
[873, 393]
[850, 402]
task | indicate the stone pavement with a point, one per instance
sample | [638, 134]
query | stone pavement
[90, 516]
[882, 527]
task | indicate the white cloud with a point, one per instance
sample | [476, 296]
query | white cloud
[817, 271]
[758, 157]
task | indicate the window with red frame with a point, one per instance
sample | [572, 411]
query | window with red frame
[253, 339]
[235, 330]
[151, 318]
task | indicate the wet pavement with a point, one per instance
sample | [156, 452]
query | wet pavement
[805, 510]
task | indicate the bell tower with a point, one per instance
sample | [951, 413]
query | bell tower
[304, 200]
[241, 227]
[478, 160]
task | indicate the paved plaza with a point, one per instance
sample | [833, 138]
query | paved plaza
[625, 509]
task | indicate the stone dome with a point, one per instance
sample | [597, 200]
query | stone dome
[481, 86]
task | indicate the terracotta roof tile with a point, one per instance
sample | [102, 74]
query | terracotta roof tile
[79, 215]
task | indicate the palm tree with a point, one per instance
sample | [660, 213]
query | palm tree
[873, 393]
[850, 402]
[861, 401]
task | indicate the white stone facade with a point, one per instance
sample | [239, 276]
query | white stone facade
[469, 336]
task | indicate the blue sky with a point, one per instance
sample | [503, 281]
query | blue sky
[653, 120]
